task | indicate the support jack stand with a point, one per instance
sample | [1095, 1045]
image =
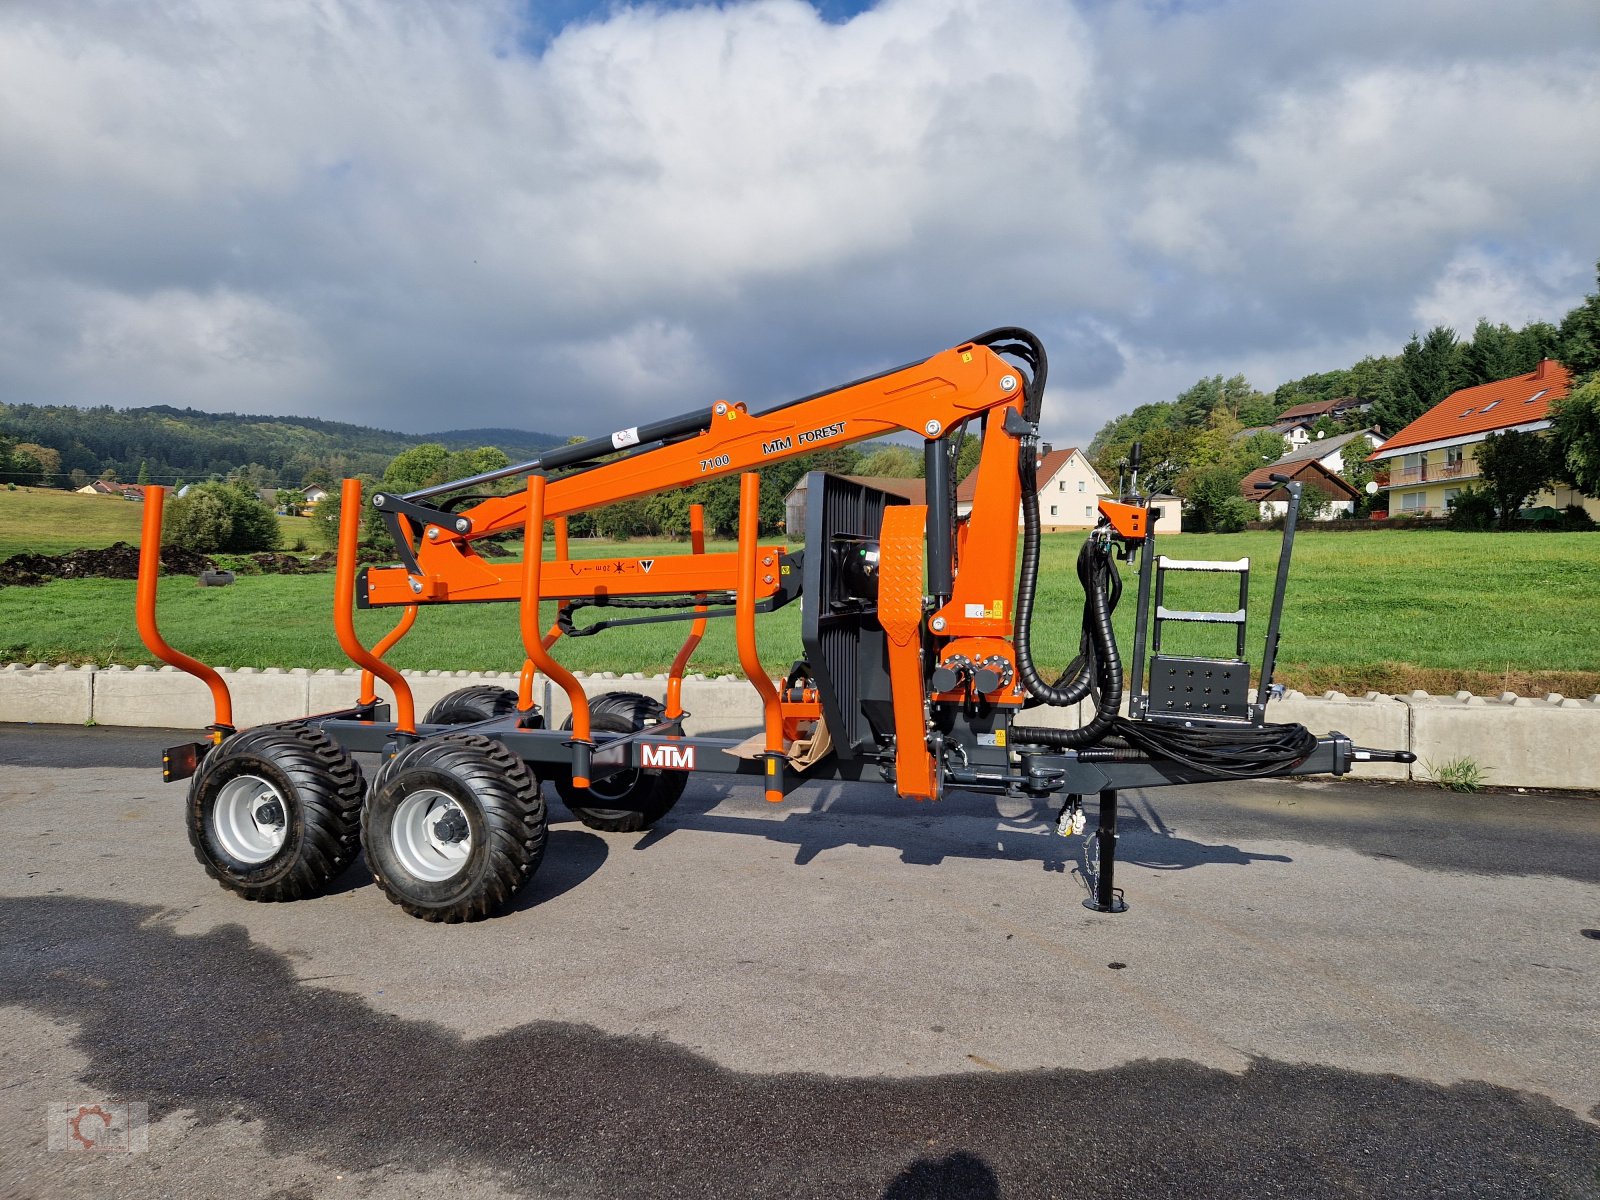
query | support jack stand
[1107, 897]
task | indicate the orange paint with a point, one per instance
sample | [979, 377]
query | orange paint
[900, 554]
[344, 598]
[145, 610]
[697, 628]
[532, 551]
[745, 621]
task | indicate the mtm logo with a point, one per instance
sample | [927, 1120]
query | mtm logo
[672, 758]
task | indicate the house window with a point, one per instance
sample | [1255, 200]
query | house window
[1489, 405]
[1088, 510]
[1062, 486]
[1083, 485]
[1412, 501]
[1450, 494]
[1052, 510]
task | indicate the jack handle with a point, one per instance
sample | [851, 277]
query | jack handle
[150, 633]
[532, 559]
[344, 619]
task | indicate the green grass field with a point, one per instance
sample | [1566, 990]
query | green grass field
[46, 521]
[1388, 610]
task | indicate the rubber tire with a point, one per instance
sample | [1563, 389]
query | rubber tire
[654, 791]
[504, 810]
[469, 705]
[322, 788]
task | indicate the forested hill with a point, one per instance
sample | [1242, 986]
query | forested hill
[163, 444]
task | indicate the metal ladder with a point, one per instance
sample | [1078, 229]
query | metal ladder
[1188, 687]
[1196, 690]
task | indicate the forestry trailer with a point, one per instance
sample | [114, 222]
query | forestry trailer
[916, 668]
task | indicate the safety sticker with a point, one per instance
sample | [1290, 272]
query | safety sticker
[625, 437]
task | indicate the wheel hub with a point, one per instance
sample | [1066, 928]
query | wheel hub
[250, 820]
[432, 837]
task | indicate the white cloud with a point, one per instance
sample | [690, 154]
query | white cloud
[392, 211]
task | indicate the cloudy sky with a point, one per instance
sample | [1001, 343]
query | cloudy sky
[573, 216]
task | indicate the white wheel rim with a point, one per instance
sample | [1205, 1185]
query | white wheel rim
[432, 837]
[250, 820]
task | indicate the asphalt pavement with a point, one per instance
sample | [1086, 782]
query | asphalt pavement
[1321, 988]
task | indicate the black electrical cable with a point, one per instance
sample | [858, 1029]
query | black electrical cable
[1246, 752]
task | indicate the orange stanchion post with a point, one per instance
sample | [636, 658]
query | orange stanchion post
[344, 603]
[369, 687]
[150, 633]
[745, 629]
[697, 629]
[525, 683]
[538, 655]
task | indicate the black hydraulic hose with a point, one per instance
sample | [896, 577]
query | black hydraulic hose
[1101, 663]
[1079, 677]
[1098, 666]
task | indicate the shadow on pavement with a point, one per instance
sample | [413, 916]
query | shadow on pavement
[219, 1027]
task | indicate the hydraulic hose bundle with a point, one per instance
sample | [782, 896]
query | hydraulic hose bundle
[1098, 668]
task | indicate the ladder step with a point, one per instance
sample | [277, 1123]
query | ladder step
[1163, 613]
[1202, 564]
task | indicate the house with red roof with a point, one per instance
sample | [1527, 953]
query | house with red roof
[1432, 459]
[1273, 501]
[1070, 490]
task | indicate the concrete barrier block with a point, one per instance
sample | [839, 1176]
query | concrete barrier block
[1531, 744]
[1375, 721]
[148, 698]
[266, 697]
[331, 690]
[59, 695]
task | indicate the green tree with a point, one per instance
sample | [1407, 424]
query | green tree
[22, 468]
[1358, 472]
[1215, 502]
[1265, 447]
[621, 521]
[416, 468]
[1430, 369]
[144, 472]
[1314, 503]
[1515, 466]
[1575, 436]
[1579, 336]
[49, 460]
[967, 459]
[1328, 385]
[899, 462]
[202, 521]
[466, 463]
[325, 520]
